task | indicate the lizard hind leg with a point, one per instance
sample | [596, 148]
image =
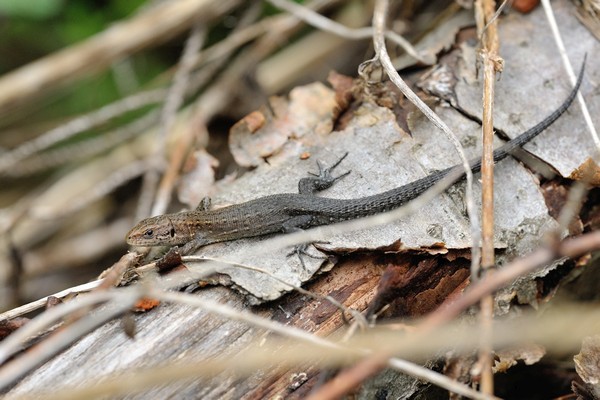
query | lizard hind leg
[321, 180]
[297, 224]
[301, 250]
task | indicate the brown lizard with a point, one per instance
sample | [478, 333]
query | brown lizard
[289, 212]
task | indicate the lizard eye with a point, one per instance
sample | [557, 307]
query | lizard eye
[172, 232]
[149, 233]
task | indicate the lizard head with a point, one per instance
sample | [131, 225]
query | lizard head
[156, 231]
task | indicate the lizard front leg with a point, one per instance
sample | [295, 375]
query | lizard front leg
[321, 180]
[173, 257]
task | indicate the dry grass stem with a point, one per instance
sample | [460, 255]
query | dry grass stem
[82, 151]
[323, 23]
[548, 329]
[101, 189]
[489, 52]
[59, 340]
[173, 102]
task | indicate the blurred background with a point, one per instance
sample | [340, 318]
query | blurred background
[86, 117]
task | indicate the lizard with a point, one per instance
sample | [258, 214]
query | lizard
[288, 212]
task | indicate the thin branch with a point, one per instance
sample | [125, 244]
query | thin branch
[548, 330]
[379, 16]
[325, 24]
[80, 124]
[493, 18]
[101, 189]
[491, 64]
[326, 352]
[69, 153]
[12, 343]
[37, 304]
[357, 315]
[173, 102]
[77, 250]
[149, 203]
[568, 248]
[431, 327]
[59, 340]
[570, 210]
[304, 337]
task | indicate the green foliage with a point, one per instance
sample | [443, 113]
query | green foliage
[34, 9]
[32, 29]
